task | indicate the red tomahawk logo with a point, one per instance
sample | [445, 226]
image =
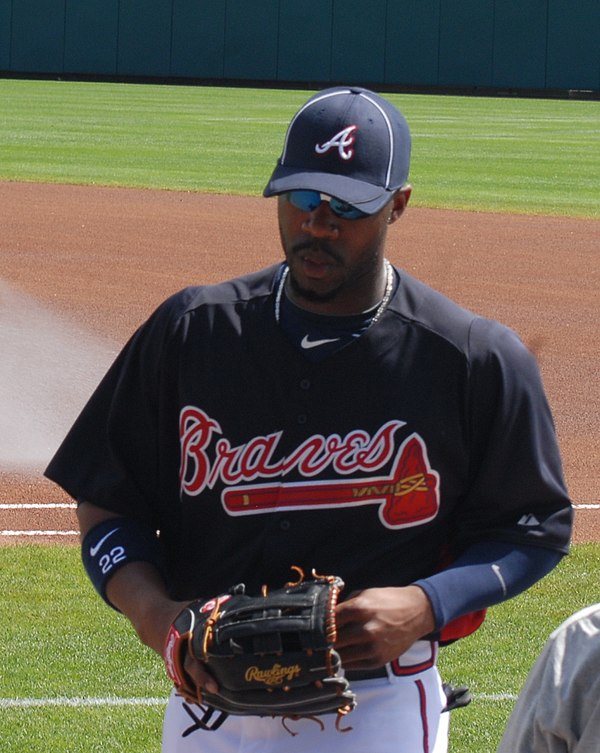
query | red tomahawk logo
[409, 496]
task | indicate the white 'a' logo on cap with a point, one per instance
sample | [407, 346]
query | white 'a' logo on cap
[343, 141]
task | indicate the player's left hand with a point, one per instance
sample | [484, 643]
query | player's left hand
[377, 625]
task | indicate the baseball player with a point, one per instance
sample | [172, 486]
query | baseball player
[328, 412]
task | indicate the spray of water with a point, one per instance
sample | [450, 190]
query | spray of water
[48, 369]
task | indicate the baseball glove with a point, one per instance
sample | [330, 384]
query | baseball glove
[271, 655]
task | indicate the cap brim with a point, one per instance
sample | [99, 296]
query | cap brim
[365, 196]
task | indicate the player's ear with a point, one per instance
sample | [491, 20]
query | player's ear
[399, 202]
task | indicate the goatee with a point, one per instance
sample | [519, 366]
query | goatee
[310, 295]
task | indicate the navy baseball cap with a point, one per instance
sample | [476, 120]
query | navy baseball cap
[346, 142]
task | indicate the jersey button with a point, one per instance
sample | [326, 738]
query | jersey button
[285, 525]
[301, 418]
[305, 384]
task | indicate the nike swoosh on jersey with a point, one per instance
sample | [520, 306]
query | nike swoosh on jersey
[94, 549]
[306, 343]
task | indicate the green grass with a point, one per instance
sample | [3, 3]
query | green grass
[498, 154]
[85, 730]
[61, 642]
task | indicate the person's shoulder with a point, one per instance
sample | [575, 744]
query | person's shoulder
[575, 645]
[479, 339]
[436, 313]
[242, 289]
[585, 621]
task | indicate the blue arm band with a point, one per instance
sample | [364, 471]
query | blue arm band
[485, 574]
[116, 542]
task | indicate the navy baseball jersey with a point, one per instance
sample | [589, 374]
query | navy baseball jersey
[379, 463]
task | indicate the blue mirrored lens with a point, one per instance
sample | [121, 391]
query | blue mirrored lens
[307, 201]
[347, 211]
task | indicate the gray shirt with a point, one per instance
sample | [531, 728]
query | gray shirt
[558, 710]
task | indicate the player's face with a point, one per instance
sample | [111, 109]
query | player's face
[336, 264]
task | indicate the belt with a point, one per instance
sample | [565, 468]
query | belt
[352, 675]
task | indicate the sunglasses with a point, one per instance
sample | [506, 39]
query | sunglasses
[308, 201]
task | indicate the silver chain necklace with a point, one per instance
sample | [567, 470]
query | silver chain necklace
[389, 284]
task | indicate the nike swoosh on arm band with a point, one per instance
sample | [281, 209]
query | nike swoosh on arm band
[114, 543]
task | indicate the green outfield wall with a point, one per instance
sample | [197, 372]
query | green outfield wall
[499, 44]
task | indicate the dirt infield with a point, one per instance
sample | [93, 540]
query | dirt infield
[100, 259]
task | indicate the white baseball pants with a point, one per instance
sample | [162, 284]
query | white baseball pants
[400, 713]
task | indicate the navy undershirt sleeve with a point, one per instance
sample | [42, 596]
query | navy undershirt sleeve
[486, 573]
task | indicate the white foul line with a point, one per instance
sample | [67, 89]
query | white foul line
[23, 703]
[73, 506]
[37, 506]
[39, 533]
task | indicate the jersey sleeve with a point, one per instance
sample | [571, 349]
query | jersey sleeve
[517, 492]
[111, 456]
[494, 571]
